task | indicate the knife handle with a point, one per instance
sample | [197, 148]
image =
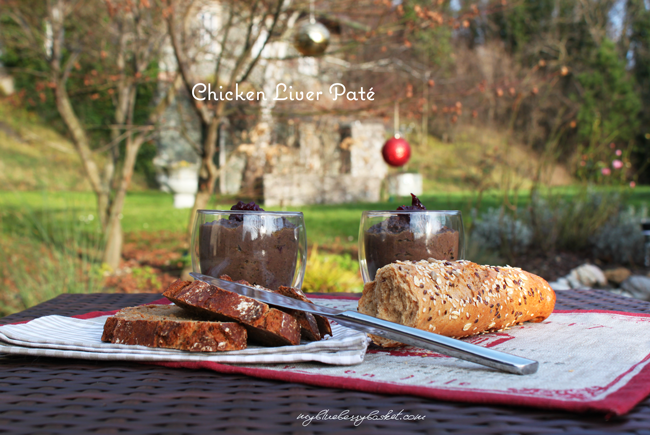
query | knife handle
[438, 343]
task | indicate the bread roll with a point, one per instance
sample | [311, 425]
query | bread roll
[456, 299]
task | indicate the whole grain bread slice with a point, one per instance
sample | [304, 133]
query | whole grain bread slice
[172, 327]
[322, 325]
[265, 325]
[310, 329]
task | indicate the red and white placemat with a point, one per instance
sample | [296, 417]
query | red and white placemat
[589, 361]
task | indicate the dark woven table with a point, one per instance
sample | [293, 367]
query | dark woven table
[47, 395]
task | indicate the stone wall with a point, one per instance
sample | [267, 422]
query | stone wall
[367, 139]
[300, 189]
[315, 161]
[332, 163]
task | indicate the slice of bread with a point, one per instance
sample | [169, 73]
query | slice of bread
[314, 327]
[172, 327]
[310, 325]
[265, 325]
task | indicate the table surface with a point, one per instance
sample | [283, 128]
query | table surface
[56, 396]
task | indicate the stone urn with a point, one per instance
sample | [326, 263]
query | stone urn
[183, 181]
[404, 183]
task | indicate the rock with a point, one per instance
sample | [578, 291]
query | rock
[618, 275]
[573, 281]
[560, 284]
[586, 275]
[638, 286]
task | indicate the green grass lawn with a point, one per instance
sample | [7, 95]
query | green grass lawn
[326, 224]
[335, 226]
[45, 248]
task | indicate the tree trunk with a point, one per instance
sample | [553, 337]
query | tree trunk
[256, 162]
[112, 230]
[114, 236]
[114, 242]
[208, 172]
[200, 203]
[103, 208]
[252, 180]
[79, 137]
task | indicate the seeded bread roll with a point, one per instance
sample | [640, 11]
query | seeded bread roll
[171, 327]
[456, 299]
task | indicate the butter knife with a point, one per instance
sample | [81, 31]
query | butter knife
[394, 331]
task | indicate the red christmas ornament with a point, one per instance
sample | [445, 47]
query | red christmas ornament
[396, 151]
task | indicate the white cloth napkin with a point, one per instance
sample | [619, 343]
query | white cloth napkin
[67, 337]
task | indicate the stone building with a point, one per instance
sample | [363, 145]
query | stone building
[297, 159]
[323, 160]
[332, 162]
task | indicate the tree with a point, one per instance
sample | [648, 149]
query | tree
[609, 102]
[229, 51]
[232, 53]
[118, 41]
[639, 16]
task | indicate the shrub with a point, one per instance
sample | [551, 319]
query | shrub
[587, 221]
[620, 239]
[332, 273]
[567, 222]
[495, 229]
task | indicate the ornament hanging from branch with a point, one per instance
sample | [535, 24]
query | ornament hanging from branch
[396, 151]
[311, 38]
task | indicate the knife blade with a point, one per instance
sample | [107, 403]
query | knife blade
[394, 331]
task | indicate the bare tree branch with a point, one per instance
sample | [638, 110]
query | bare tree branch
[166, 100]
[248, 45]
[222, 46]
[184, 67]
[28, 31]
[67, 68]
[274, 22]
[183, 131]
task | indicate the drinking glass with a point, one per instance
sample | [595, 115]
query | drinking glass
[388, 236]
[262, 247]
